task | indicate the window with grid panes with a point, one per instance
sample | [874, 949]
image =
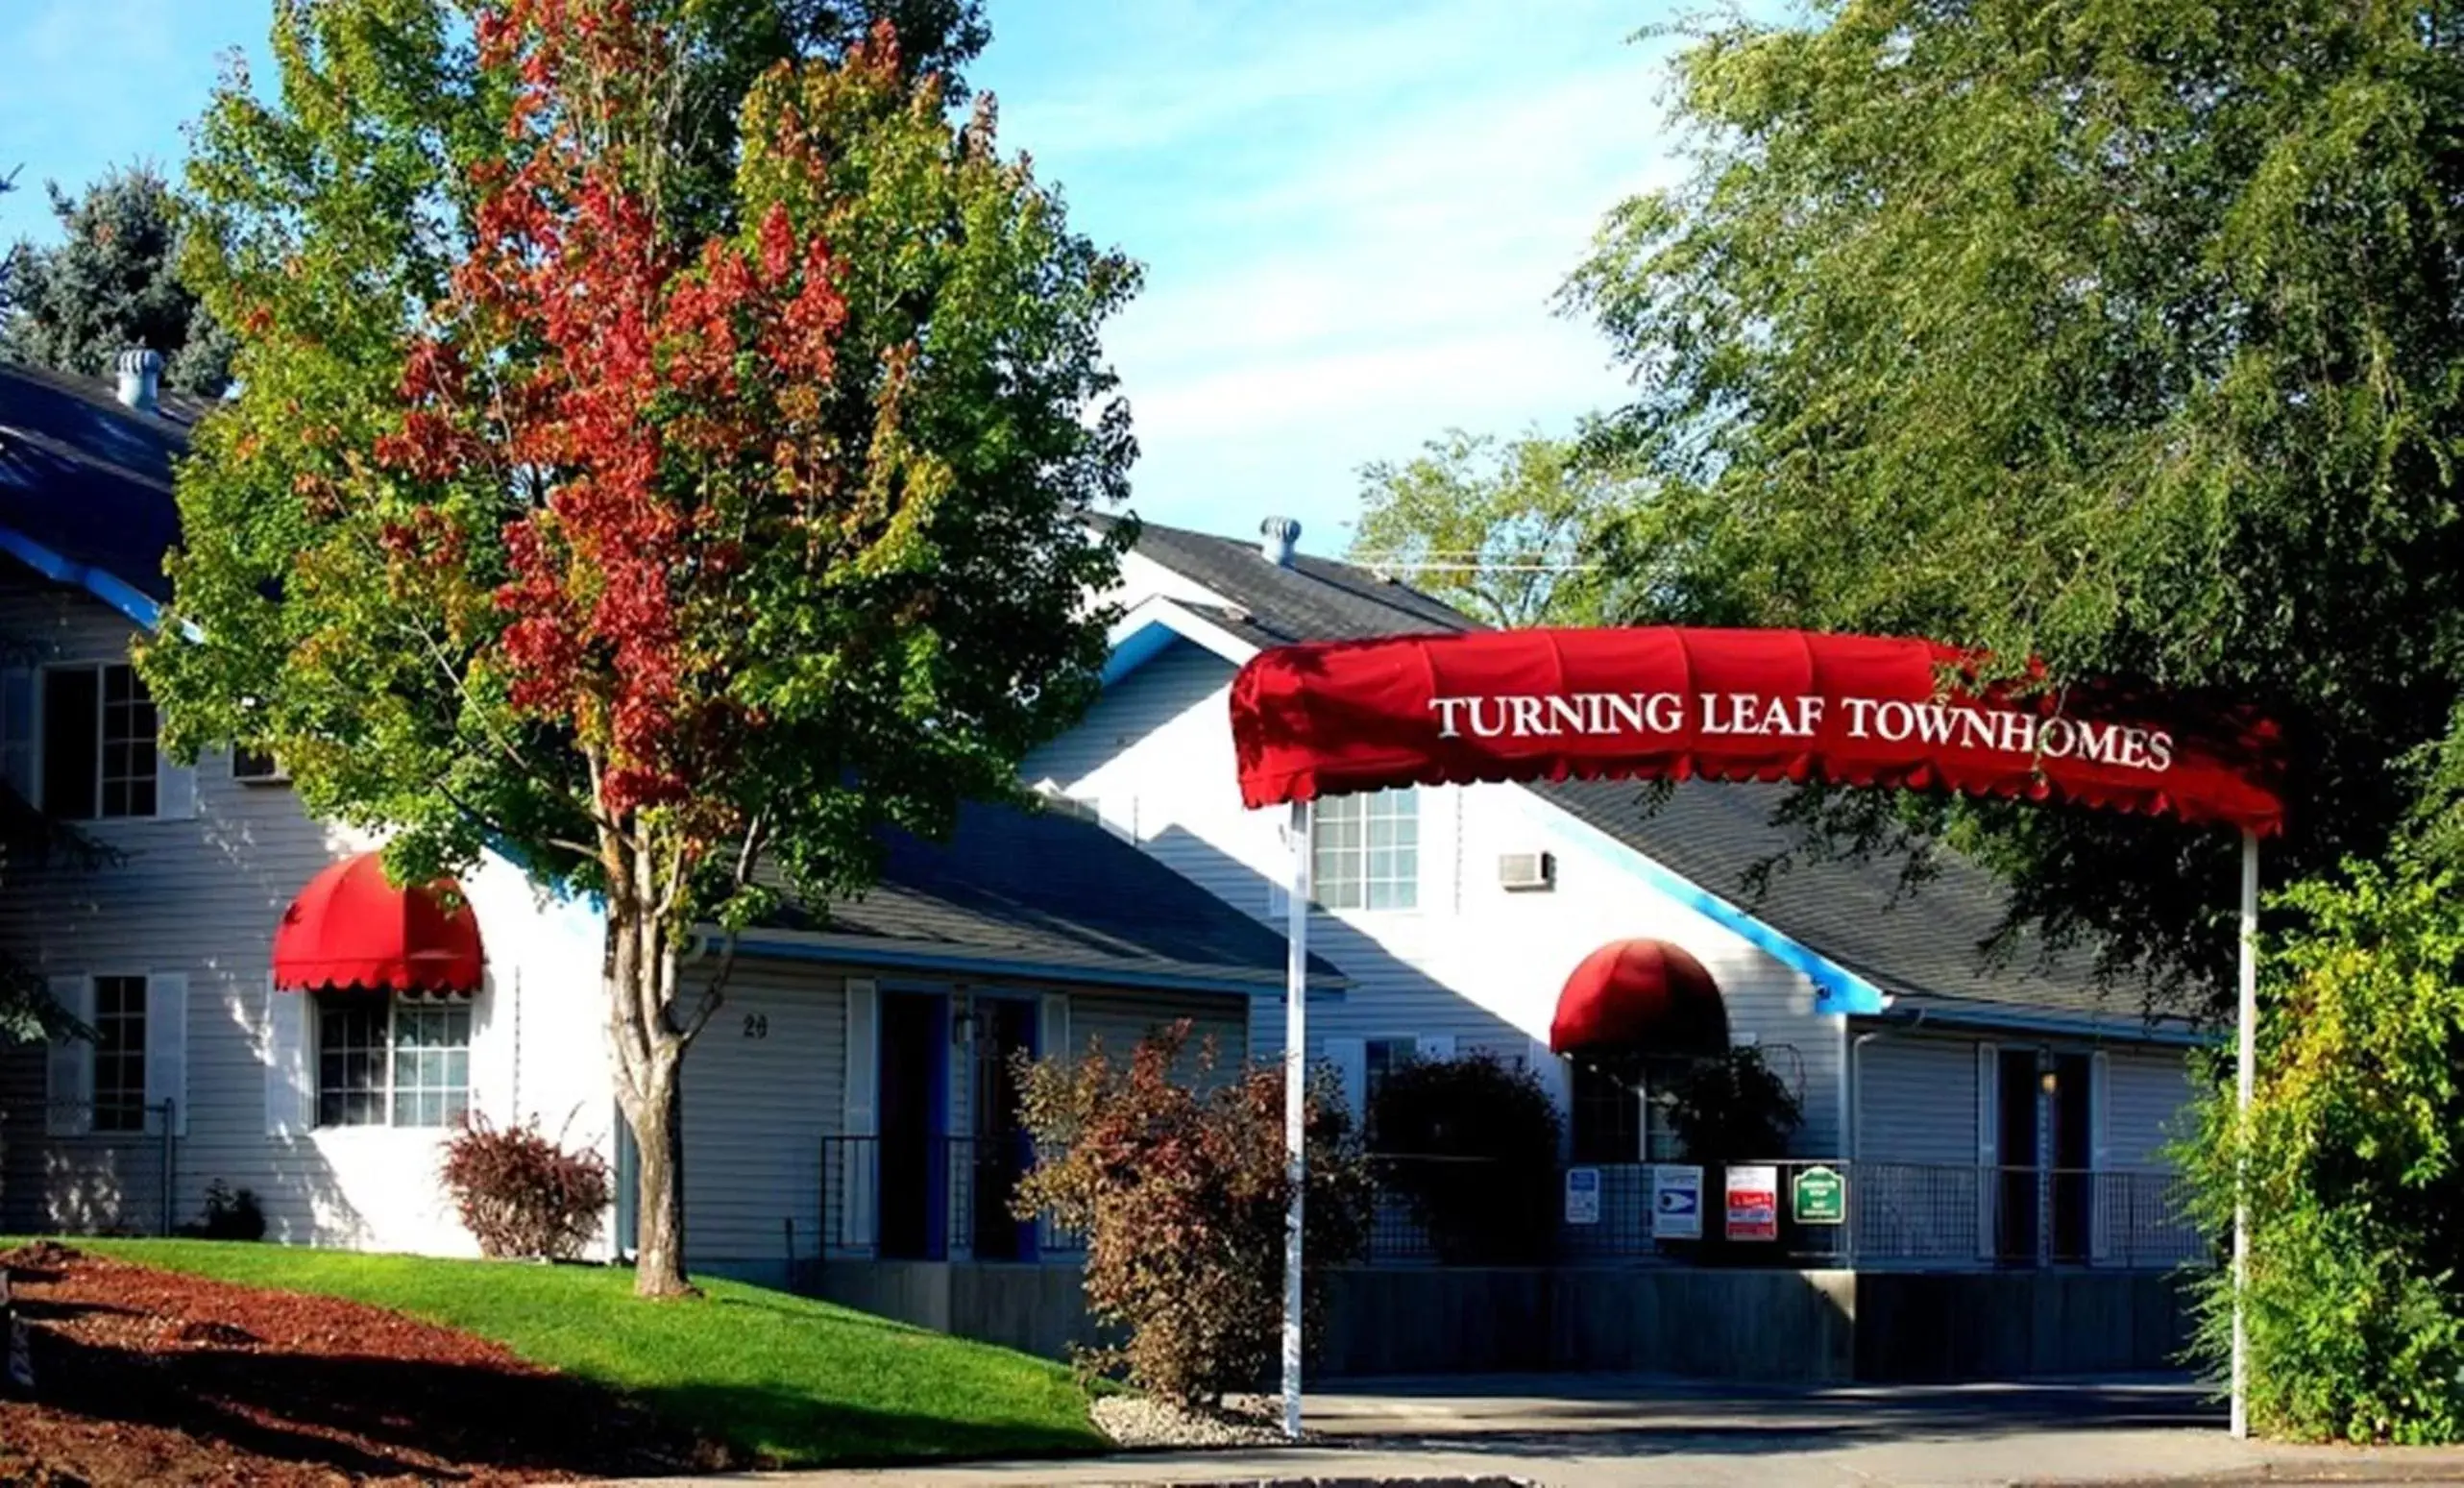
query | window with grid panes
[1365, 850]
[392, 1062]
[128, 744]
[98, 748]
[432, 1063]
[119, 1054]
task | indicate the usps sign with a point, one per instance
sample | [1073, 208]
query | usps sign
[1676, 1202]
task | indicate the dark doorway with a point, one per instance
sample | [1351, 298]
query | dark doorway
[914, 1110]
[1003, 1150]
[2015, 1210]
[2074, 1193]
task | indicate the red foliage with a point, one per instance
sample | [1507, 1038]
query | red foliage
[522, 1195]
[615, 358]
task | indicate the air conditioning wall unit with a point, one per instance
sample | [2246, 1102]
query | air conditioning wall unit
[1523, 872]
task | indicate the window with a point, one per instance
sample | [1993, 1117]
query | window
[1607, 1125]
[392, 1062]
[119, 1054]
[98, 743]
[1365, 851]
[255, 767]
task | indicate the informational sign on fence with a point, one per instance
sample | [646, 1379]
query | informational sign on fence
[1676, 1202]
[1753, 1202]
[1819, 1196]
[1582, 1196]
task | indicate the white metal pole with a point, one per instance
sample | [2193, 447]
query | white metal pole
[1296, 1161]
[2245, 1082]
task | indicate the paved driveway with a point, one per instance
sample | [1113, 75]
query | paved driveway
[1585, 1430]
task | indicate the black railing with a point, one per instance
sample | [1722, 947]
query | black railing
[948, 1197]
[931, 1198]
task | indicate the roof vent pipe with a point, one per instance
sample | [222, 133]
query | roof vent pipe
[1281, 538]
[141, 378]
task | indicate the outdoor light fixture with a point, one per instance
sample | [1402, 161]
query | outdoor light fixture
[2048, 1081]
[963, 1026]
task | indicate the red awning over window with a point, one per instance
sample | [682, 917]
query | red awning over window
[349, 928]
[1644, 996]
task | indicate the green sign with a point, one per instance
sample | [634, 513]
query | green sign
[1818, 1197]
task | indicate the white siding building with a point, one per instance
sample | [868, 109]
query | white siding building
[1455, 913]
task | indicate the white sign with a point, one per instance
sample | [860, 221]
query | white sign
[1676, 1202]
[1753, 1202]
[1582, 1196]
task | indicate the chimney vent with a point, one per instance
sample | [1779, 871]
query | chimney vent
[1281, 538]
[141, 379]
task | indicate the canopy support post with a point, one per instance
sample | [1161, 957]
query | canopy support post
[2245, 1082]
[1296, 1161]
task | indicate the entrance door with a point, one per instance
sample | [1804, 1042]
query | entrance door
[1003, 1149]
[2015, 1181]
[2074, 1191]
[915, 1109]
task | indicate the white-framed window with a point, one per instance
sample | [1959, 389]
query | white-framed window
[402, 1061]
[1365, 850]
[119, 1054]
[98, 742]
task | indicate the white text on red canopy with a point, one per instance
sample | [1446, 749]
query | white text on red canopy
[1801, 716]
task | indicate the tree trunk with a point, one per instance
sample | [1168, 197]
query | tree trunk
[658, 1136]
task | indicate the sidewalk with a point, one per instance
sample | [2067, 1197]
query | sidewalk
[1593, 1432]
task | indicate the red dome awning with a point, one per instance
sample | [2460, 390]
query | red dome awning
[350, 928]
[1647, 996]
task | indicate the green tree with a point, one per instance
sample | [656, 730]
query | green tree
[2354, 1309]
[675, 562]
[2122, 336]
[112, 283]
[1499, 532]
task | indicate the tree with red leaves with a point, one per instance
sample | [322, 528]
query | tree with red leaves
[675, 568]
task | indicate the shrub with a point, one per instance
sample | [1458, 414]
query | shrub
[228, 1216]
[2355, 1310]
[1470, 1148]
[1178, 1188]
[521, 1194]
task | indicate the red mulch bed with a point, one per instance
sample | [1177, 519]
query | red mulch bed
[150, 1376]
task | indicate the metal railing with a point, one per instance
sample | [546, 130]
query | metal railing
[931, 1198]
[948, 1197]
[90, 1167]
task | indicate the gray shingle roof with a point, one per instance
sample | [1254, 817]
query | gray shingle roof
[1055, 892]
[88, 479]
[1924, 944]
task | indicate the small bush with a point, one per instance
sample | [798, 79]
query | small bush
[1179, 1188]
[522, 1195]
[1470, 1147]
[228, 1216]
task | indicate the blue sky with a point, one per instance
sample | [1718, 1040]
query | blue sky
[1353, 213]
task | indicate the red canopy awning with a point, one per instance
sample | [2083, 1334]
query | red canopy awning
[349, 928]
[1329, 718]
[1647, 996]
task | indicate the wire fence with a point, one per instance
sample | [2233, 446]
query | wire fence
[89, 1167]
[948, 1197]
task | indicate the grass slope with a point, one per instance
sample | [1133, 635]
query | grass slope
[788, 1379]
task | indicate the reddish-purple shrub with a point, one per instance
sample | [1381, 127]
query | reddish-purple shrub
[521, 1194]
[1177, 1183]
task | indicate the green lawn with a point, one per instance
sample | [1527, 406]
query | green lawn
[788, 1379]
